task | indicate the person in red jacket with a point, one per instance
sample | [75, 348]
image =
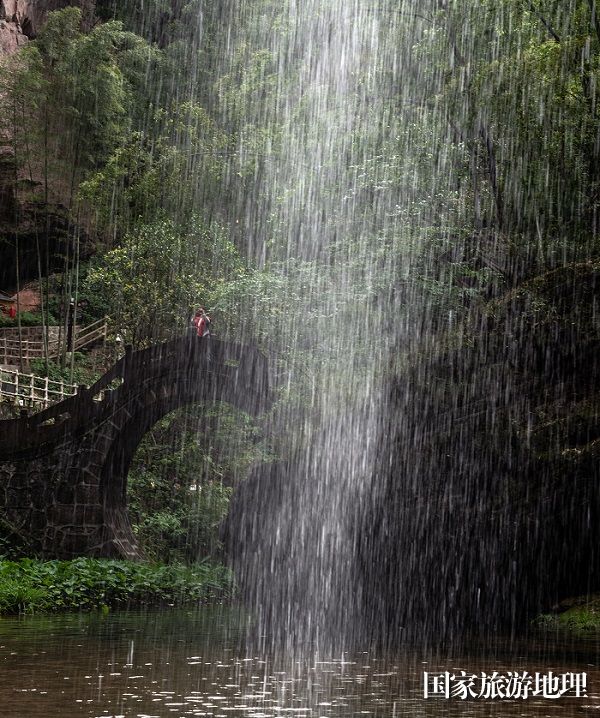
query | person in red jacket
[202, 323]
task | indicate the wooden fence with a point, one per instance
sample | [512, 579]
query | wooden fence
[28, 390]
[12, 352]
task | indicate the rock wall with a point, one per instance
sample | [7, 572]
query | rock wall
[21, 20]
[11, 37]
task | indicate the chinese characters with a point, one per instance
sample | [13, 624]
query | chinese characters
[512, 685]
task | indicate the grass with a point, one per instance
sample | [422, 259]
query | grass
[33, 586]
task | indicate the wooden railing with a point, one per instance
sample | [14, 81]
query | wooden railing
[90, 334]
[29, 390]
[12, 351]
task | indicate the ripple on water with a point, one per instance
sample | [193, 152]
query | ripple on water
[183, 664]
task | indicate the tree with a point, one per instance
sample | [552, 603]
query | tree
[150, 284]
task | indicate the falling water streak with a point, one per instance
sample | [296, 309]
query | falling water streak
[330, 69]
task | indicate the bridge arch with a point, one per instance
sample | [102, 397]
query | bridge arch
[63, 472]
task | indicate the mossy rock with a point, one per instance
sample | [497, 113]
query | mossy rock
[576, 615]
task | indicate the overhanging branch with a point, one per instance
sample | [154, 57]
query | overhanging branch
[532, 9]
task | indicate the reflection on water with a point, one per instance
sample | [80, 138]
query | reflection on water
[150, 665]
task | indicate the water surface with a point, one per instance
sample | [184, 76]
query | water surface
[195, 663]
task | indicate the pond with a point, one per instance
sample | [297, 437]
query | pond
[195, 663]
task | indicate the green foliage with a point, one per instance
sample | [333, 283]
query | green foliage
[94, 81]
[525, 110]
[85, 370]
[582, 619]
[150, 285]
[27, 319]
[71, 100]
[170, 168]
[187, 527]
[182, 478]
[28, 585]
[12, 545]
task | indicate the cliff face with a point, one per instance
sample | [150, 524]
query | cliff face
[12, 35]
[20, 20]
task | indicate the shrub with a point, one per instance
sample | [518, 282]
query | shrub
[28, 319]
[30, 585]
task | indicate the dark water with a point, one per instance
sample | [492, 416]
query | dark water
[178, 663]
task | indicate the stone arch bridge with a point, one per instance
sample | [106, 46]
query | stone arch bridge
[63, 472]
